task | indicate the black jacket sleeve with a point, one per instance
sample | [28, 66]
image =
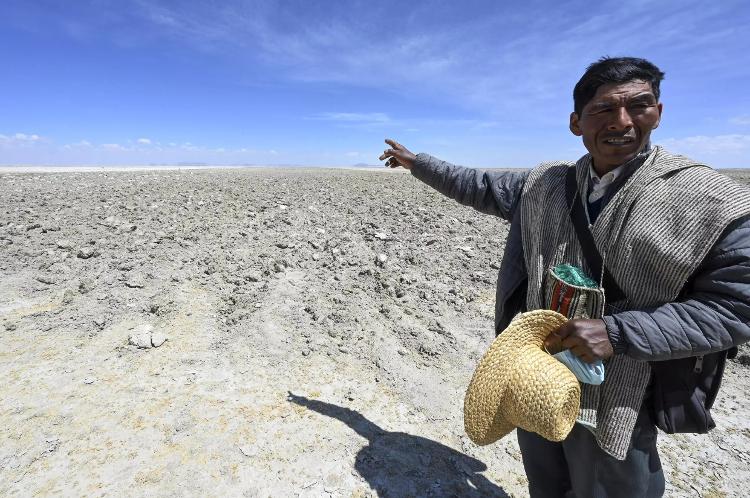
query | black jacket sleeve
[491, 192]
[712, 315]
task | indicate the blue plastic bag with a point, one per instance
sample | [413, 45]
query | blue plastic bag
[588, 373]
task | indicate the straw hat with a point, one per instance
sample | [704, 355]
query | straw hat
[518, 384]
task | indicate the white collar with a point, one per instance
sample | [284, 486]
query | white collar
[598, 186]
[607, 178]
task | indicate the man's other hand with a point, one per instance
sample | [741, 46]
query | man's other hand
[397, 155]
[586, 339]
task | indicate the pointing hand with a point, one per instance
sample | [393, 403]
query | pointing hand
[397, 155]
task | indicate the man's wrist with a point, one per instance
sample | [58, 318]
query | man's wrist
[420, 161]
[616, 338]
[423, 168]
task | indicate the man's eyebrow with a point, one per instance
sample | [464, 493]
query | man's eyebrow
[644, 96]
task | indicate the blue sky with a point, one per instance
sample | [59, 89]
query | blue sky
[311, 82]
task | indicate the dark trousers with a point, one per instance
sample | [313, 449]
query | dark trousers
[578, 467]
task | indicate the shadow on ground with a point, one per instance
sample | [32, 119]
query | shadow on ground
[396, 464]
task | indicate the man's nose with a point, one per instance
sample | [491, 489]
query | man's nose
[621, 119]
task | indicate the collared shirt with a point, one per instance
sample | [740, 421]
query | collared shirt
[601, 190]
[599, 185]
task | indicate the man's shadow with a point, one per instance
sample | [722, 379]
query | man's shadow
[398, 464]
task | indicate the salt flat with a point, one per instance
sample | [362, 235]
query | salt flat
[321, 327]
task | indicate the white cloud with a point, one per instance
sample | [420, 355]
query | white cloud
[144, 141]
[20, 138]
[27, 138]
[741, 120]
[355, 117]
[712, 144]
[113, 146]
[488, 63]
[82, 144]
[28, 148]
[379, 120]
[361, 120]
[723, 151]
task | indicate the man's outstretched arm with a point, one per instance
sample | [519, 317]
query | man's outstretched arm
[491, 192]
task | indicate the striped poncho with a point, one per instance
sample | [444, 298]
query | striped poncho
[652, 236]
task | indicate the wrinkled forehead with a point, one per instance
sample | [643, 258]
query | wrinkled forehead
[618, 92]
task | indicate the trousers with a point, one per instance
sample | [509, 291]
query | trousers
[578, 467]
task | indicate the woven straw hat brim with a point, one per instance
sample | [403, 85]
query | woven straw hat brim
[518, 384]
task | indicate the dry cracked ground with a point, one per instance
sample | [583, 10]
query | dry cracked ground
[250, 332]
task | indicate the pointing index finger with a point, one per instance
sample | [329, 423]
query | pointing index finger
[386, 153]
[393, 143]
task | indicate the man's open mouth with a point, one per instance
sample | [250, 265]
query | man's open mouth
[619, 140]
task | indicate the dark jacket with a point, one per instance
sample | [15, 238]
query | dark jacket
[712, 314]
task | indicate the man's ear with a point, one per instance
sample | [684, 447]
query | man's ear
[575, 129]
[661, 108]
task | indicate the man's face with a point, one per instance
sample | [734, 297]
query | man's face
[616, 124]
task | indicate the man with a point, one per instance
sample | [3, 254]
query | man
[674, 235]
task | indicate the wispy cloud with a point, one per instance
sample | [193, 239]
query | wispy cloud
[18, 149]
[727, 151]
[81, 144]
[709, 144]
[355, 117]
[117, 147]
[500, 58]
[20, 139]
[495, 61]
[378, 120]
[357, 120]
[494, 77]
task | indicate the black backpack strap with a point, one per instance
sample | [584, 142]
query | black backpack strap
[612, 291]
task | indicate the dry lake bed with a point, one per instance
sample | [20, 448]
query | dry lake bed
[265, 332]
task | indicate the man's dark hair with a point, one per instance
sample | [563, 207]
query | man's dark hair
[614, 70]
